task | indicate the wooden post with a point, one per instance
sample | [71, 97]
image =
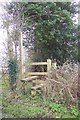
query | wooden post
[48, 73]
[54, 65]
[48, 67]
[20, 75]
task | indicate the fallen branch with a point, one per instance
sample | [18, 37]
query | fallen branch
[70, 94]
[52, 80]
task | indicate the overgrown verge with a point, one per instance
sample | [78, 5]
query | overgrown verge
[54, 105]
[27, 106]
[63, 84]
[16, 105]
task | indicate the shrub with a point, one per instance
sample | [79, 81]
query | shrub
[63, 83]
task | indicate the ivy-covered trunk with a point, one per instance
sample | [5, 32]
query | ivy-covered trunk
[12, 68]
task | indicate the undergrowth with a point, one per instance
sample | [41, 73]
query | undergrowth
[17, 105]
[37, 107]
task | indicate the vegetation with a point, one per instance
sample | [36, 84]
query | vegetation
[49, 31]
[13, 70]
[19, 105]
[53, 31]
[52, 105]
[30, 108]
[49, 28]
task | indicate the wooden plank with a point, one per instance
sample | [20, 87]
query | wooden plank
[29, 78]
[37, 86]
[37, 73]
[38, 63]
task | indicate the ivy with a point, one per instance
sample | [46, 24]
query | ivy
[12, 69]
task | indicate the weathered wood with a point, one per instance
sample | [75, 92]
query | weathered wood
[37, 73]
[29, 78]
[54, 65]
[48, 66]
[38, 63]
[37, 86]
[48, 63]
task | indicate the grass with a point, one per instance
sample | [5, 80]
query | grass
[23, 106]
[37, 106]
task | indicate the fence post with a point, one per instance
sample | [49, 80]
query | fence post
[48, 67]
